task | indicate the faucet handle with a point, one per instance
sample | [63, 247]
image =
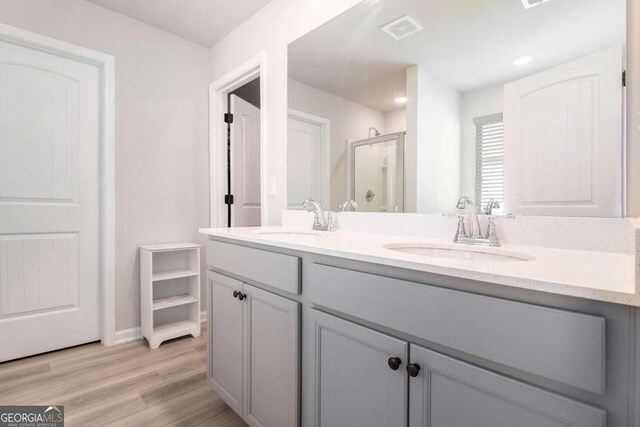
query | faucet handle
[492, 234]
[460, 232]
[316, 219]
[330, 220]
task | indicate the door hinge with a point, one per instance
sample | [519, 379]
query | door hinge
[228, 118]
[228, 199]
[624, 78]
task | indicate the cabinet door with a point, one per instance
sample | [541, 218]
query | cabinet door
[448, 392]
[272, 354]
[225, 339]
[351, 382]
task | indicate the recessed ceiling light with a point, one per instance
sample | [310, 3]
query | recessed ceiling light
[523, 60]
[400, 100]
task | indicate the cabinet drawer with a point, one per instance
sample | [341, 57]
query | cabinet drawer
[272, 269]
[560, 345]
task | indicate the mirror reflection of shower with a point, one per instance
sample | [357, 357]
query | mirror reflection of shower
[376, 172]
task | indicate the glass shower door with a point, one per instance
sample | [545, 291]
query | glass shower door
[377, 173]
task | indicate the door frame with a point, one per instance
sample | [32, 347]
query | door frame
[325, 141]
[106, 64]
[218, 91]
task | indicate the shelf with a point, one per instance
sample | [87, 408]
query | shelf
[176, 274]
[169, 277]
[170, 247]
[174, 301]
[172, 329]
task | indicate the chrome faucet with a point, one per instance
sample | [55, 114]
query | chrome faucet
[322, 220]
[474, 235]
[349, 203]
[474, 224]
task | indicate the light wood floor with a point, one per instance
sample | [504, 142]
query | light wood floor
[124, 385]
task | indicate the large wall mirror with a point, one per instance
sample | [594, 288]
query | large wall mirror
[406, 105]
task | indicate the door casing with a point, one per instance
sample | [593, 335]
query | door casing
[218, 91]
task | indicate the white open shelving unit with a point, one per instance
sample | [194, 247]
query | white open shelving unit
[169, 291]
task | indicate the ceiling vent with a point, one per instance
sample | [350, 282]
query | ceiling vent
[403, 27]
[528, 4]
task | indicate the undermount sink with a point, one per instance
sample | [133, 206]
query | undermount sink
[276, 233]
[461, 252]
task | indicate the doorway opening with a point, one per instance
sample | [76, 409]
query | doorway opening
[243, 198]
[237, 147]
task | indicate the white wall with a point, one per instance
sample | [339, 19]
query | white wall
[438, 144]
[270, 30]
[161, 128]
[477, 103]
[349, 121]
[411, 142]
[395, 121]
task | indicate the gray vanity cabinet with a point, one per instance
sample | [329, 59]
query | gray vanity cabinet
[359, 376]
[405, 353]
[447, 392]
[254, 351]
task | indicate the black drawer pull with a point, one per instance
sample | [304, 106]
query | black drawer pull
[394, 363]
[413, 369]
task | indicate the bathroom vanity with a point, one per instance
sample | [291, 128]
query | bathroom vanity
[513, 108]
[340, 329]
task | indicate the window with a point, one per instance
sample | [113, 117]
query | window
[489, 159]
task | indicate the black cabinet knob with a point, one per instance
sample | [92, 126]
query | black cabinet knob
[236, 294]
[413, 369]
[242, 296]
[394, 363]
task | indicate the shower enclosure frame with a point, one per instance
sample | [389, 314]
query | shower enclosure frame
[399, 138]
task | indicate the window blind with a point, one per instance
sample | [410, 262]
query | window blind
[489, 159]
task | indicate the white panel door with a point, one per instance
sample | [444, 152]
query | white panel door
[272, 337]
[226, 334]
[245, 143]
[304, 163]
[49, 201]
[563, 146]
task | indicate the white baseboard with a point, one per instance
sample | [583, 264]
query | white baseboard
[128, 335]
[203, 317]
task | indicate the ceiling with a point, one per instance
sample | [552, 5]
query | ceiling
[204, 22]
[467, 44]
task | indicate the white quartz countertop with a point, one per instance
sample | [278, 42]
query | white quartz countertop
[601, 276]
